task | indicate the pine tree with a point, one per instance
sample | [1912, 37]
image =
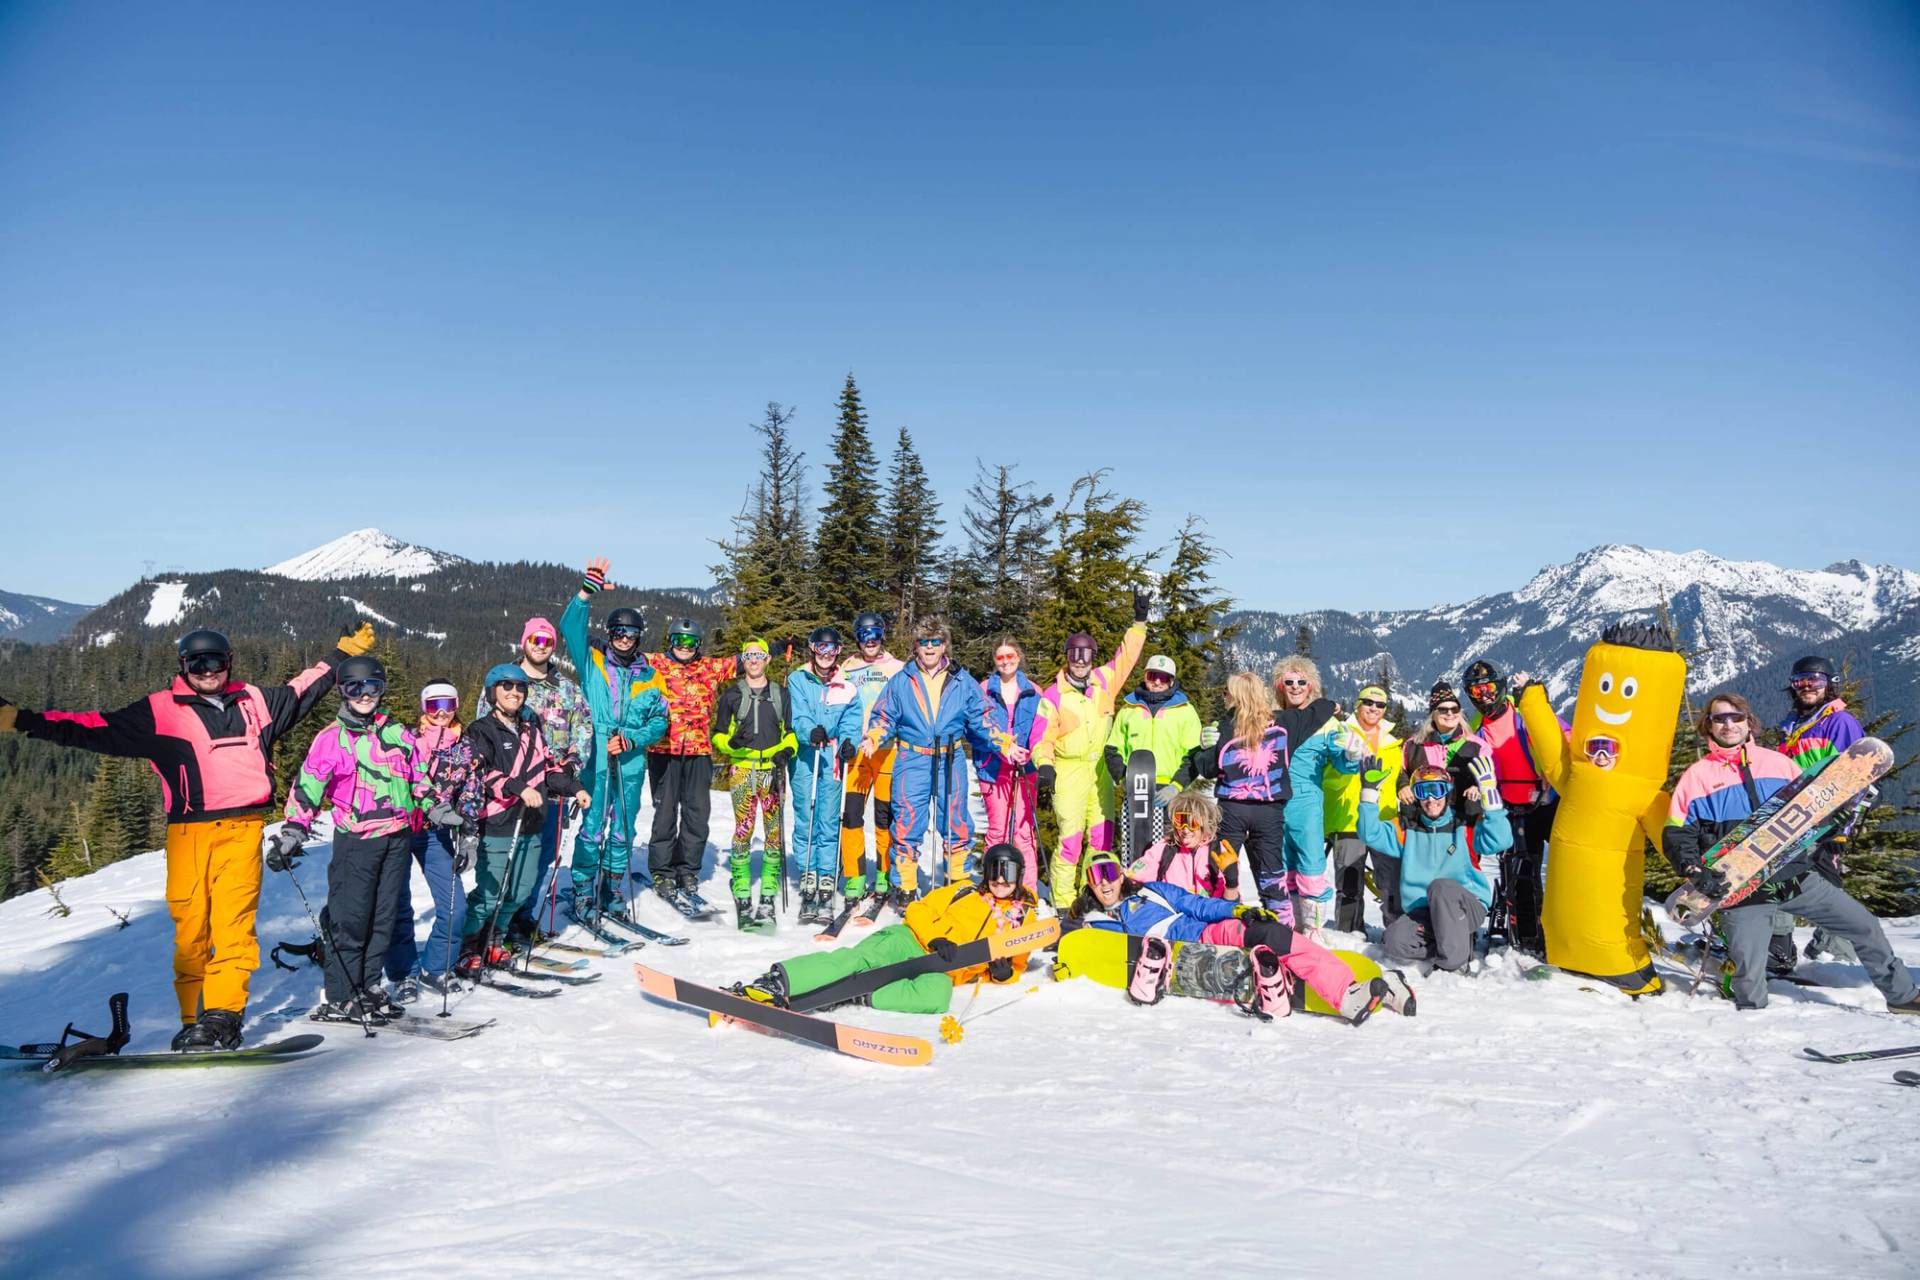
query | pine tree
[1881, 862]
[993, 584]
[1188, 629]
[849, 544]
[912, 539]
[1090, 573]
[767, 578]
[1303, 641]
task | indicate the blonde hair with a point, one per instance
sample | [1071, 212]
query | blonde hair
[1304, 666]
[1252, 705]
[1196, 804]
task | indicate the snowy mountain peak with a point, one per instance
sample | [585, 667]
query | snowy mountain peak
[364, 553]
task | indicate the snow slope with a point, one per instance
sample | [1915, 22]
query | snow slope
[1512, 1128]
[364, 553]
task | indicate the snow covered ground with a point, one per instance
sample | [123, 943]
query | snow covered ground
[1517, 1128]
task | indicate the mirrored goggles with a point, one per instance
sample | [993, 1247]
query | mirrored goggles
[624, 633]
[1104, 870]
[1431, 789]
[1187, 822]
[870, 635]
[541, 638]
[440, 704]
[1603, 750]
[1814, 681]
[684, 641]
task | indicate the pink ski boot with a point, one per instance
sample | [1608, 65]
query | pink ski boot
[1151, 971]
[1272, 993]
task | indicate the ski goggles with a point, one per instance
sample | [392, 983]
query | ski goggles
[1080, 653]
[1814, 681]
[432, 705]
[1603, 751]
[684, 641]
[363, 688]
[511, 686]
[1482, 689]
[1187, 822]
[826, 646]
[206, 664]
[1158, 677]
[541, 638]
[1104, 868]
[1432, 789]
[624, 633]
[870, 635]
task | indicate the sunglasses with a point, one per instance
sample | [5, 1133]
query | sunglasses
[761, 655]
[1293, 683]
[540, 637]
[364, 688]
[684, 641]
[1431, 789]
[205, 664]
[441, 704]
[1370, 702]
[1006, 657]
[1104, 871]
[1728, 717]
[929, 642]
[624, 633]
[1447, 709]
[511, 686]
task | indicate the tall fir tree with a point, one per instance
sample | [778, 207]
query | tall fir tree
[1190, 608]
[912, 537]
[1881, 858]
[768, 574]
[849, 543]
[992, 585]
[1303, 641]
[1091, 572]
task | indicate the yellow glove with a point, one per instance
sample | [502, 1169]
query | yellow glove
[7, 713]
[359, 642]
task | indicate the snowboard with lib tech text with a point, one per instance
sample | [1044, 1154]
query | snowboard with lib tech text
[1143, 822]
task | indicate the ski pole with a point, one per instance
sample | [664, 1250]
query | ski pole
[325, 931]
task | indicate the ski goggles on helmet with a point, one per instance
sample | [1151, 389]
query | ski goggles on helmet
[681, 640]
[869, 635]
[1603, 751]
[624, 632]
[541, 637]
[1432, 789]
[206, 664]
[825, 646]
[440, 704]
[1080, 653]
[1807, 680]
[1104, 868]
[1482, 689]
[369, 688]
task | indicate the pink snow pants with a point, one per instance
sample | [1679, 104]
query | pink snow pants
[1010, 800]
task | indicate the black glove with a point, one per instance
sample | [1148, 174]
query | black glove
[848, 750]
[1708, 880]
[1142, 602]
[1115, 765]
[784, 757]
[944, 948]
[283, 847]
[1043, 792]
[463, 851]
[1001, 970]
[817, 737]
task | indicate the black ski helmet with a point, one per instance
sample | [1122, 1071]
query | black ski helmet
[195, 643]
[1811, 665]
[686, 627]
[869, 626]
[1479, 671]
[1001, 862]
[625, 617]
[360, 667]
[823, 635]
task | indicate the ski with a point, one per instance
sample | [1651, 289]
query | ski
[861, 909]
[487, 982]
[434, 1027]
[1033, 934]
[856, 1042]
[641, 931]
[247, 1055]
[564, 979]
[680, 900]
[700, 904]
[1865, 1055]
[615, 948]
[556, 966]
[1907, 1078]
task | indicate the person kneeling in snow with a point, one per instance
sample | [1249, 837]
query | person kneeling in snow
[1164, 913]
[935, 926]
[1443, 891]
[1193, 858]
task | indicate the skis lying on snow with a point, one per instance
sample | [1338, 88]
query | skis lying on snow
[486, 981]
[612, 951]
[856, 1042]
[564, 979]
[1865, 1055]
[549, 965]
[246, 1056]
[641, 931]
[1037, 932]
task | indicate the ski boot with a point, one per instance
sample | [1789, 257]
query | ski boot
[1150, 972]
[342, 1011]
[379, 1007]
[743, 914]
[690, 886]
[769, 988]
[1270, 991]
[1910, 1005]
[898, 898]
[1399, 997]
[1362, 999]
[441, 984]
[405, 990]
[217, 1030]
[763, 915]
[809, 913]
[183, 1038]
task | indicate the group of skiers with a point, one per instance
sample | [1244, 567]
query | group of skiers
[1451, 821]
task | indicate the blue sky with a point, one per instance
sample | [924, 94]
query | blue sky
[1406, 300]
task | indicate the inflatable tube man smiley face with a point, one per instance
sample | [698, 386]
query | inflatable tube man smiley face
[1626, 708]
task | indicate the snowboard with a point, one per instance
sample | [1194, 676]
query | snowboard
[855, 1042]
[1141, 780]
[1036, 932]
[246, 1056]
[1204, 970]
[1796, 816]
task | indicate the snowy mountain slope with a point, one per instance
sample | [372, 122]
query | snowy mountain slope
[37, 619]
[1511, 1128]
[364, 553]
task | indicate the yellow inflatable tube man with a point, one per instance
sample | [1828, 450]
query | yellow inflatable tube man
[1610, 771]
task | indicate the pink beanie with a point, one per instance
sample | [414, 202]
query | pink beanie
[540, 626]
